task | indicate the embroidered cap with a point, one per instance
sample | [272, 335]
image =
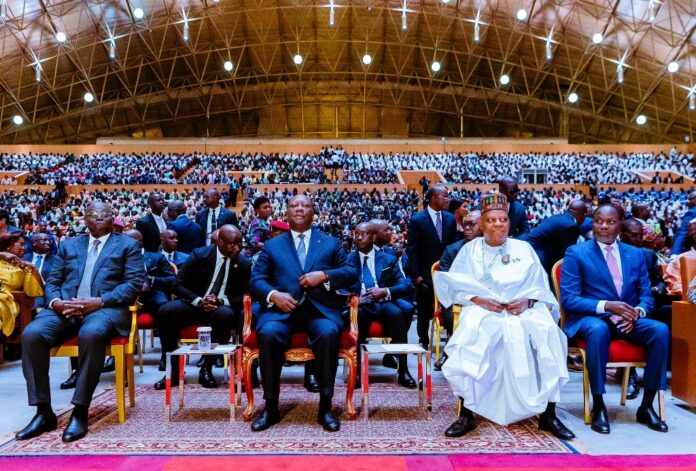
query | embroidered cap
[493, 201]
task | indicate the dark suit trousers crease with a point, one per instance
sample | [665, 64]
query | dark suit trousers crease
[389, 316]
[274, 341]
[48, 330]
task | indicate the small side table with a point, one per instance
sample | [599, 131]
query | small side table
[398, 349]
[234, 357]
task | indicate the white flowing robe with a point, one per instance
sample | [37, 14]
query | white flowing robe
[507, 368]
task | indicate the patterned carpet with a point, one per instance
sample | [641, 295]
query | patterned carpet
[202, 427]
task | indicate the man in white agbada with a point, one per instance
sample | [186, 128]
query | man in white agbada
[507, 357]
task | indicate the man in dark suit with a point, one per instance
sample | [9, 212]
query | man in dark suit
[429, 232]
[295, 279]
[381, 284]
[160, 277]
[519, 224]
[42, 259]
[555, 234]
[214, 215]
[210, 287]
[605, 288]
[153, 224]
[681, 239]
[383, 236]
[169, 240]
[189, 234]
[94, 279]
[41, 228]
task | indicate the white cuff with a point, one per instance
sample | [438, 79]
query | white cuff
[327, 285]
[268, 298]
[196, 302]
[50, 305]
[388, 298]
[600, 307]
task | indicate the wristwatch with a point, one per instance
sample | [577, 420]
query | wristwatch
[530, 303]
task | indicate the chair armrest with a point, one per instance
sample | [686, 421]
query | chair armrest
[456, 309]
[354, 300]
[246, 330]
[26, 304]
[133, 308]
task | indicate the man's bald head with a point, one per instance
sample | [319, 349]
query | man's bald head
[508, 186]
[134, 234]
[175, 209]
[578, 209]
[229, 241]
[382, 231]
[641, 211]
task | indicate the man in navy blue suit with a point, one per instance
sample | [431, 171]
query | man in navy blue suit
[214, 215]
[190, 234]
[169, 240]
[605, 288]
[42, 259]
[380, 286]
[519, 224]
[681, 239]
[383, 236]
[295, 279]
[429, 232]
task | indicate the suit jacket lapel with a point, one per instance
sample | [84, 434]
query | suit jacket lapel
[291, 252]
[625, 265]
[82, 255]
[431, 224]
[110, 246]
[602, 268]
[312, 249]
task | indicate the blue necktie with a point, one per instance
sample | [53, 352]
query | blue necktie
[302, 251]
[85, 289]
[367, 278]
[39, 262]
[438, 225]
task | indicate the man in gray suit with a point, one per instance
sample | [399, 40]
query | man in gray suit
[94, 279]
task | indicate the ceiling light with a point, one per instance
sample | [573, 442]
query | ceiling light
[367, 59]
[504, 79]
[620, 73]
[641, 119]
[673, 67]
[228, 66]
[61, 37]
[445, 1]
[138, 13]
[3, 8]
[573, 98]
[89, 98]
[597, 38]
[692, 101]
[186, 31]
[435, 66]
[17, 119]
[37, 73]
[112, 49]
[521, 14]
[297, 59]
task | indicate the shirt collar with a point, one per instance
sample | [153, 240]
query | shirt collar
[615, 245]
[102, 240]
[307, 233]
[433, 213]
[370, 254]
[218, 254]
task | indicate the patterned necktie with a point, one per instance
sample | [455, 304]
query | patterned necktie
[85, 289]
[213, 221]
[170, 257]
[438, 225]
[302, 250]
[614, 269]
[220, 278]
[367, 278]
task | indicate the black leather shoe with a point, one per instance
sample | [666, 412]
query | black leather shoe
[71, 382]
[161, 385]
[162, 366]
[311, 384]
[109, 366]
[265, 420]
[438, 364]
[39, 424]
[390, 361]
[551, 423]
[600, 421]
[648, 416]
[406, 380]
[329, 421]
[76, 429]
[632, 390]
[219, 362]
[461, 426]
[206, 378]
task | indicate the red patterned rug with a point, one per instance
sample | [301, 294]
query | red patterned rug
[202, 427]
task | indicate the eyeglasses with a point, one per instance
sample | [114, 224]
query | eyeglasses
[96, 215]
[468, 224]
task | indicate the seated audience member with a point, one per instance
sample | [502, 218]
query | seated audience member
[94, 280]
[42, 258]
[259, 229]
[672, 275]
[169, 241]
[506, 298]
[683, 240]
[210, 288]
[692, 291]
[605, 288]
[381, 284]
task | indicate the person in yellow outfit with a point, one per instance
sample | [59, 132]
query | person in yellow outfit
[15, 275]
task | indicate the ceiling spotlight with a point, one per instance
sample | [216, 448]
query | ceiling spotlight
[186, 31]
[228, 66]
[112, 49]
[435, 66]
[61, 37]
[297, 59]
[89, 98]
[692, 101]
[504, 79]
[17, 119]
[3, 8]
[641, 120]
[37, 73]
[445, 1]
[573, 98]
[673, 67]
[367, 59]
[138, 13]
[597, 38]
[521, 14]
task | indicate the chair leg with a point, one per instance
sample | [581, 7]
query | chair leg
[437, 339]
[432, 336]
[130, 374]
[247, 359]
[352, 360]
[585, 389]
[624, 384]
[139, 345]
[152, 338]
[120, 389]
[661, 404]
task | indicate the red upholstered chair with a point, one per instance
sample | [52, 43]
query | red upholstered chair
[437, 324]
[122, 349]
[622, 354]
[299, 352]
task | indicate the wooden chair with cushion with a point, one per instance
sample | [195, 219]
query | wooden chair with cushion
[684, 336]
[622, 354]
[437, 324]
[299, 351]
[123, 351]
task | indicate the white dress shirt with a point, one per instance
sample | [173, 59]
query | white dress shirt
[370, 266]
[219, 265]
[209, 223]
[433, 216]
[159, 220]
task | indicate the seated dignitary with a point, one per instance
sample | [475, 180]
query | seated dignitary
[94, 279]
[507, 358]
[210, 289]
[605, 287]
[295, 279]
[381, 284]
[170, 243]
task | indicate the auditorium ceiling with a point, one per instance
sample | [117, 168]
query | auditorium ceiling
[348, 68]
